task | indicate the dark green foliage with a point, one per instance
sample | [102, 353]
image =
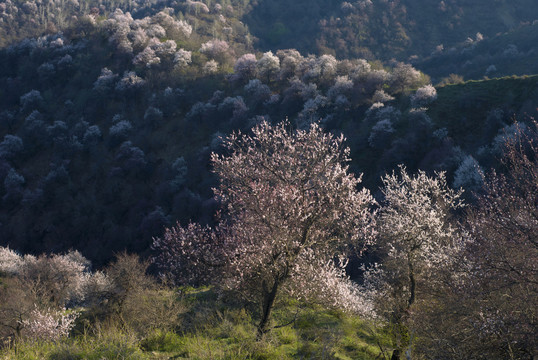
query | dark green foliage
[505, 53]
[382, 29]
[466, 109]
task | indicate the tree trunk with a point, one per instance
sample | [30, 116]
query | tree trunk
[267, 307]
[412, 285]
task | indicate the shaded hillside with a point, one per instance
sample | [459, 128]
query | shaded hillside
[100, 151]
[106, 129]
[510, 53]
[27, 19]
[469, 119]
[461, 108]
[381, 29]
[106, 134]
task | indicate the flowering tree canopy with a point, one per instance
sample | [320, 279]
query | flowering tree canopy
[419, 236]
[289, 200]
[504, 252]
[423, 96]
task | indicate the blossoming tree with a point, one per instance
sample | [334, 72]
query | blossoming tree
[288, 200]
[419, 236]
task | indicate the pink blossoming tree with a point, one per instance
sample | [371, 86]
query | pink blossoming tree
[289, 203]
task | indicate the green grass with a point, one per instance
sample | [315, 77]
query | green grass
[463, 108]
[111, 343]
[215, 329]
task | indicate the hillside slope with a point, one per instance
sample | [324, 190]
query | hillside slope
[381, 29]
[106, 129]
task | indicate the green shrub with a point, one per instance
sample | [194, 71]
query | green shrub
[159, 340]
[110, 343]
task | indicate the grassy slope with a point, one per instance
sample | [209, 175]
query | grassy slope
[472, 61]
[463, 108]
[213, 329]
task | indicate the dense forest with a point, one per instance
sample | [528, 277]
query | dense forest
[173, 174]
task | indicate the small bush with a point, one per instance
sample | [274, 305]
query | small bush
[159, 340]
[109, 343]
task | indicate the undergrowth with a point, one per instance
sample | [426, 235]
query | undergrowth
[215, 328]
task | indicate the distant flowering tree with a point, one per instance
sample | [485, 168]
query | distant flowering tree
[342, 86]
[120, 131]
[182, 58]
[210, 67]
[57, 131]
[200, 111]
[105, 81]
[370, 81]
[327, 65]
[405, 76]
[290, 204]
[289, 61]
[424, 96]
[10, 261]
[491, 70]
[311, 110]
[233, 107]
[197, 7]
[318, 69]
[153, 116]
[214, 48]
[11, 146]
[381, 134]
[299, 92]
[65, 61]
[268, 66]
[381, 97]
[147, 58]
[46, 71]
[13, 185]
[156, 30]
[131, 158]
[360, 69]
[173, 27]
[92, 136]
[130, 82]
[469, 175]
[258, 91]
[139, 39]
[245, 67]
[180, 170]
[31, 99]
[164, 50]
[183, 27]
[346, 7]
[379, 111]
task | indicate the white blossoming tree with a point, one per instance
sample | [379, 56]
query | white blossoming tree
[50, 324]
[268, 66]
[417, 235]
[424, 96]
[289, 204]
[245, 67]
